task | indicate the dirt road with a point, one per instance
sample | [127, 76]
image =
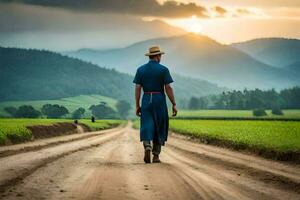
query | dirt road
[109, 165]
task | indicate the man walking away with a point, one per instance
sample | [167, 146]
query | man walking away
[155, 80]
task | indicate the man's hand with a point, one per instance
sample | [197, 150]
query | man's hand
[138, 111]
[174, 110]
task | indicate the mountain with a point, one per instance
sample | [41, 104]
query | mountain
[278, 52]
[196, 56]
[44, 75]
[295, 67]
[37, 75]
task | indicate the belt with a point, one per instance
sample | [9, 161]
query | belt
[150, 101]
[152, 92]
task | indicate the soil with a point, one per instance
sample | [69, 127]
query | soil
[110, 166]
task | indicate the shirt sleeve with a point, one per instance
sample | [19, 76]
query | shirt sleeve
[167, 77]
[137, 78]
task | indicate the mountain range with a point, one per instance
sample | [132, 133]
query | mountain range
[277, 52]
[197, 56]
[44, 75]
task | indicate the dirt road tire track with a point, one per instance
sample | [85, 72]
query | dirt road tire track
[14, 168]
[114, 169]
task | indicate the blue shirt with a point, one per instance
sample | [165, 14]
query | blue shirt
[153, 76]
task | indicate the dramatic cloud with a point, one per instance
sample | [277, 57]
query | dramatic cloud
[221, 11]
[171, 9]
[246, 3]
[57, 29]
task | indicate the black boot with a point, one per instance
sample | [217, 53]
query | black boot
[147, 156]
[155, 159]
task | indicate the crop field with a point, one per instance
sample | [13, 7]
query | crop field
[71, 103]
[235, 113]
[279, 136]
[101, 124]
[16, 128]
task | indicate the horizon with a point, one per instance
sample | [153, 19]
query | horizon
[105, 49]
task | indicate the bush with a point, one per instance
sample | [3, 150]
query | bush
[277, 111]
[54, 111]
[27, 112]
[77, 114]
[123, 108]
[102, 111]
[259, 112]
[11, 110]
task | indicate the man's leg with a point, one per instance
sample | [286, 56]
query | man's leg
[148, 148]
[156, 151]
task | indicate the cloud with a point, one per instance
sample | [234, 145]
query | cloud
[30, 26]
[170, 9]
[221, 11]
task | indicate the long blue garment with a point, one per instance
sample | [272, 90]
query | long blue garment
[154, 123]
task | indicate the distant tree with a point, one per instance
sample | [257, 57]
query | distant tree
[259, 112]
[54, 111]
[27, 112]
[11, 110]
[290, 98]
[123, 108]
[77, 114]
[193, 104]
[276, 110]
[202, 103]
[103, 111]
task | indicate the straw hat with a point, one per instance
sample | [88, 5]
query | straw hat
[155, 50]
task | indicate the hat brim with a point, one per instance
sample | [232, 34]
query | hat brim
[156, 53]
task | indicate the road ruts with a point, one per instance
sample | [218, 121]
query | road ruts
[110, 166]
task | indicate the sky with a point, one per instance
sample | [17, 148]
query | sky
[66, 25]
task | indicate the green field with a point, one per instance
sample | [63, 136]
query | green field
[16, 128]
[71, 103]
[279, 136]
[234, 113]
[101, 124]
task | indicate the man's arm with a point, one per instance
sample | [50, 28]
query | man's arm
[170, 93]
[138, 89]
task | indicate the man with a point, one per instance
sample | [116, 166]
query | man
[155, 80]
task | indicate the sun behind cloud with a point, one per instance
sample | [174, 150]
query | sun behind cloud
[192, 24]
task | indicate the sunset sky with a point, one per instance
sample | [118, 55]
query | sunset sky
[73, 24]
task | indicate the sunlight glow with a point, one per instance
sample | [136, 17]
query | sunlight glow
[192, 24]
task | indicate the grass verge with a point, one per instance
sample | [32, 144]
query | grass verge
[14, 131]
[278, 140]
[101, 124]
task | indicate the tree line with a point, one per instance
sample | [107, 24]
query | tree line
[100, 111]
[249, 100]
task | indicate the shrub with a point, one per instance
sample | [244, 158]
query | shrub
[27, 112]
[77, 114]
[277, 111]
[259, 112]
[54, 111]
[11, 110]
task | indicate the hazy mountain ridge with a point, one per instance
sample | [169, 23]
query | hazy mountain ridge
[278, 52]
[41, 75]
[295, 67]
[197, 56]
[37, 75]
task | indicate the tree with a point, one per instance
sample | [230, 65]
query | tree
[77, 114]
[27, 112]
[193, 104]
[259, 112]
[123, 108]
[276, 110]
[54, 111]
[103, 111]
[11, 110]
